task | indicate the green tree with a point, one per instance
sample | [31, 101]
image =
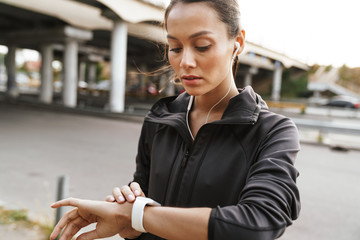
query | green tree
[294, 86]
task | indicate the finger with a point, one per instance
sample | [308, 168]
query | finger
[72, 214]
[74, 202]
[119, 197]
[89, 235]
[73, 227]
[69, 230]
[127, 193]
[136, 189]
[110, 198]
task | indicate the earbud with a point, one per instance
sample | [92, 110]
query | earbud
[237, 44]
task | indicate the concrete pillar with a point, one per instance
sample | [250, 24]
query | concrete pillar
[12, 89]
[91, 75]
[248, 79]
[277, 81]
[70, 73]
[82, 71]
[47, 77]
[248, 76]
[143, 81]
[317, 94]
[118, 66]
[3, 76]
[170, 86]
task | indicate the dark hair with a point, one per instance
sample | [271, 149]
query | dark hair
[228, 12]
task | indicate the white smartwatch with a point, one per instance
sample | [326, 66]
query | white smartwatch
[137, 213]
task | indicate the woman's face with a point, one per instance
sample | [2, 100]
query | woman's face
[200, 50]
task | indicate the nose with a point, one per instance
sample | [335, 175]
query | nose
[188, 59]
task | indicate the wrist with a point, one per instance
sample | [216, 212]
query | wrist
[122, 212]
[137, 213]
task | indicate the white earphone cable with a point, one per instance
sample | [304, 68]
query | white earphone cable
[208, 115]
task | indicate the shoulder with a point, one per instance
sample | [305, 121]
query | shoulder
[271, 119]
[277, 129]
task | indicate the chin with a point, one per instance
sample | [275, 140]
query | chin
[194, 92]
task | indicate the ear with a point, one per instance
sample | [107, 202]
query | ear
[241, 39]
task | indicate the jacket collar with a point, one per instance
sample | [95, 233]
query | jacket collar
[243, 108]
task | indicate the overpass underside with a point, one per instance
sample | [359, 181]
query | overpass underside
[126, 45]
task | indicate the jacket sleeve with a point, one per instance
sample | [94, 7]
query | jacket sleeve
[270, 199]
[142, 172]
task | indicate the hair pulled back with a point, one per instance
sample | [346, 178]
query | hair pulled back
[227, 10]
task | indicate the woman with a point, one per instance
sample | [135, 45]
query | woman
[219, 163]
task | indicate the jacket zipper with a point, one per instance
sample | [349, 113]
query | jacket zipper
[185, 159]
[180, 177]
[202, 159]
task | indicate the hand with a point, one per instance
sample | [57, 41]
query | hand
[125, 193]
[111, 219]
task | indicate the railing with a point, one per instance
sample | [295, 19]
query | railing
[325, 126]
[286, 105]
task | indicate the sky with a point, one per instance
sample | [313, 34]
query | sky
[314, 31]
[324, 32]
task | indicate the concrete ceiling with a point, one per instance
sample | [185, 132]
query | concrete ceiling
[26, 18]
[27, 24]
[13, 18]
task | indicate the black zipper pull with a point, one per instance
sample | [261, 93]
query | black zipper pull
[185, 159]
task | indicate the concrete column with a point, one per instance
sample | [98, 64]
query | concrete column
[91, 75]
[12, 89]
[248, 79]
[170, 87]
[3, 76]
[248, 76]
[82, 71]
[277, 81]
[70, 73]
[143, 81]
[317, 94]
[47, 77]
[118, 66]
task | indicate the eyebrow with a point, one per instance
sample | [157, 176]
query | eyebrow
[195, 35]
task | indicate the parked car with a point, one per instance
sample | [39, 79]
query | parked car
[344, 102]
[103, 85]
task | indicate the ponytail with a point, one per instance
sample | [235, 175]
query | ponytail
[235, 66]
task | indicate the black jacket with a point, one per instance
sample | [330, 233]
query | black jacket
[241, 166]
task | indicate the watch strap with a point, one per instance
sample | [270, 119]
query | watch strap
[137, 213]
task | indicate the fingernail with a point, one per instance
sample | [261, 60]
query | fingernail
[121, 199]
[137, 192]
[112, 199]
[131, 197]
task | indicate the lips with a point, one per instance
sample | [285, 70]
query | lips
[190, 80]
[190, 77]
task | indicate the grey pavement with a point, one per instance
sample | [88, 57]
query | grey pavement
[37, 146]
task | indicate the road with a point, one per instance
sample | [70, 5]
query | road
[37, 146]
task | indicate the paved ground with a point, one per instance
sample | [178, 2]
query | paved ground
[37, 146]
[15, 232]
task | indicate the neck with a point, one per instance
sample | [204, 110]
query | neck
[205, 102]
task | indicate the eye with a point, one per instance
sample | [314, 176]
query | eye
[175, 50]
[203, 49]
